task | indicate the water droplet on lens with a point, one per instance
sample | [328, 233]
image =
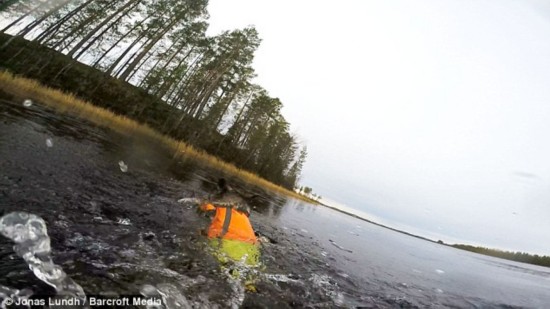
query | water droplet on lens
[123, 166]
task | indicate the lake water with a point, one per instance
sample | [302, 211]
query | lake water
[109, 205]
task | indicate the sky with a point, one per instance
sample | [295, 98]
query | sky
[430, 116]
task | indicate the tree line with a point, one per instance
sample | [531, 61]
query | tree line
[308, 191]
[161, 47]
[523, 257]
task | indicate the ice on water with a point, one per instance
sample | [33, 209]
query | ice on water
[32, 243]
[190, 200]
[124, 221]
[123, 166]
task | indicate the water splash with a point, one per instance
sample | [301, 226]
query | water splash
[237, 297]
[124, 221]
[330, 289]
[32, 243]
[339, 247]
[27, 103]
[190, 200]
[282, 278]
[14, 295]
[240, 276]
[123, 166]
[171, 296]
[344, 275]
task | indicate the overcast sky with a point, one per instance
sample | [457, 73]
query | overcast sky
[432, 116]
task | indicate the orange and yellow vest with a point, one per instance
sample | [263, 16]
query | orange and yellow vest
[229, 223]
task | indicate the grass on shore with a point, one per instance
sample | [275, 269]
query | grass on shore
[68, 103]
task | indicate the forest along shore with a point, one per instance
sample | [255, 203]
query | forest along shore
[152, 62]
[29, 89]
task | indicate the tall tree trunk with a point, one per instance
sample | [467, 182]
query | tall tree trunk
[203, 106]
[248, 125]
[131, 4]
[54, 27]
[239, 127]
[153, 68]
[92, 42]
[38, 21]
[141, 65]
[147, 48]
[118, 42]
[226, 105]
[211, 83]
[165, 87]
[125, 64]
[121, 57]
[35, 23]
[226, 135]
[203, 100]
[81, 27]
[18, 20]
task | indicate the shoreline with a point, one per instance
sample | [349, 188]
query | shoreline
[496, 253]
[66, 103]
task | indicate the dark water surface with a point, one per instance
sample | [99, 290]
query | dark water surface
[116, 232]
